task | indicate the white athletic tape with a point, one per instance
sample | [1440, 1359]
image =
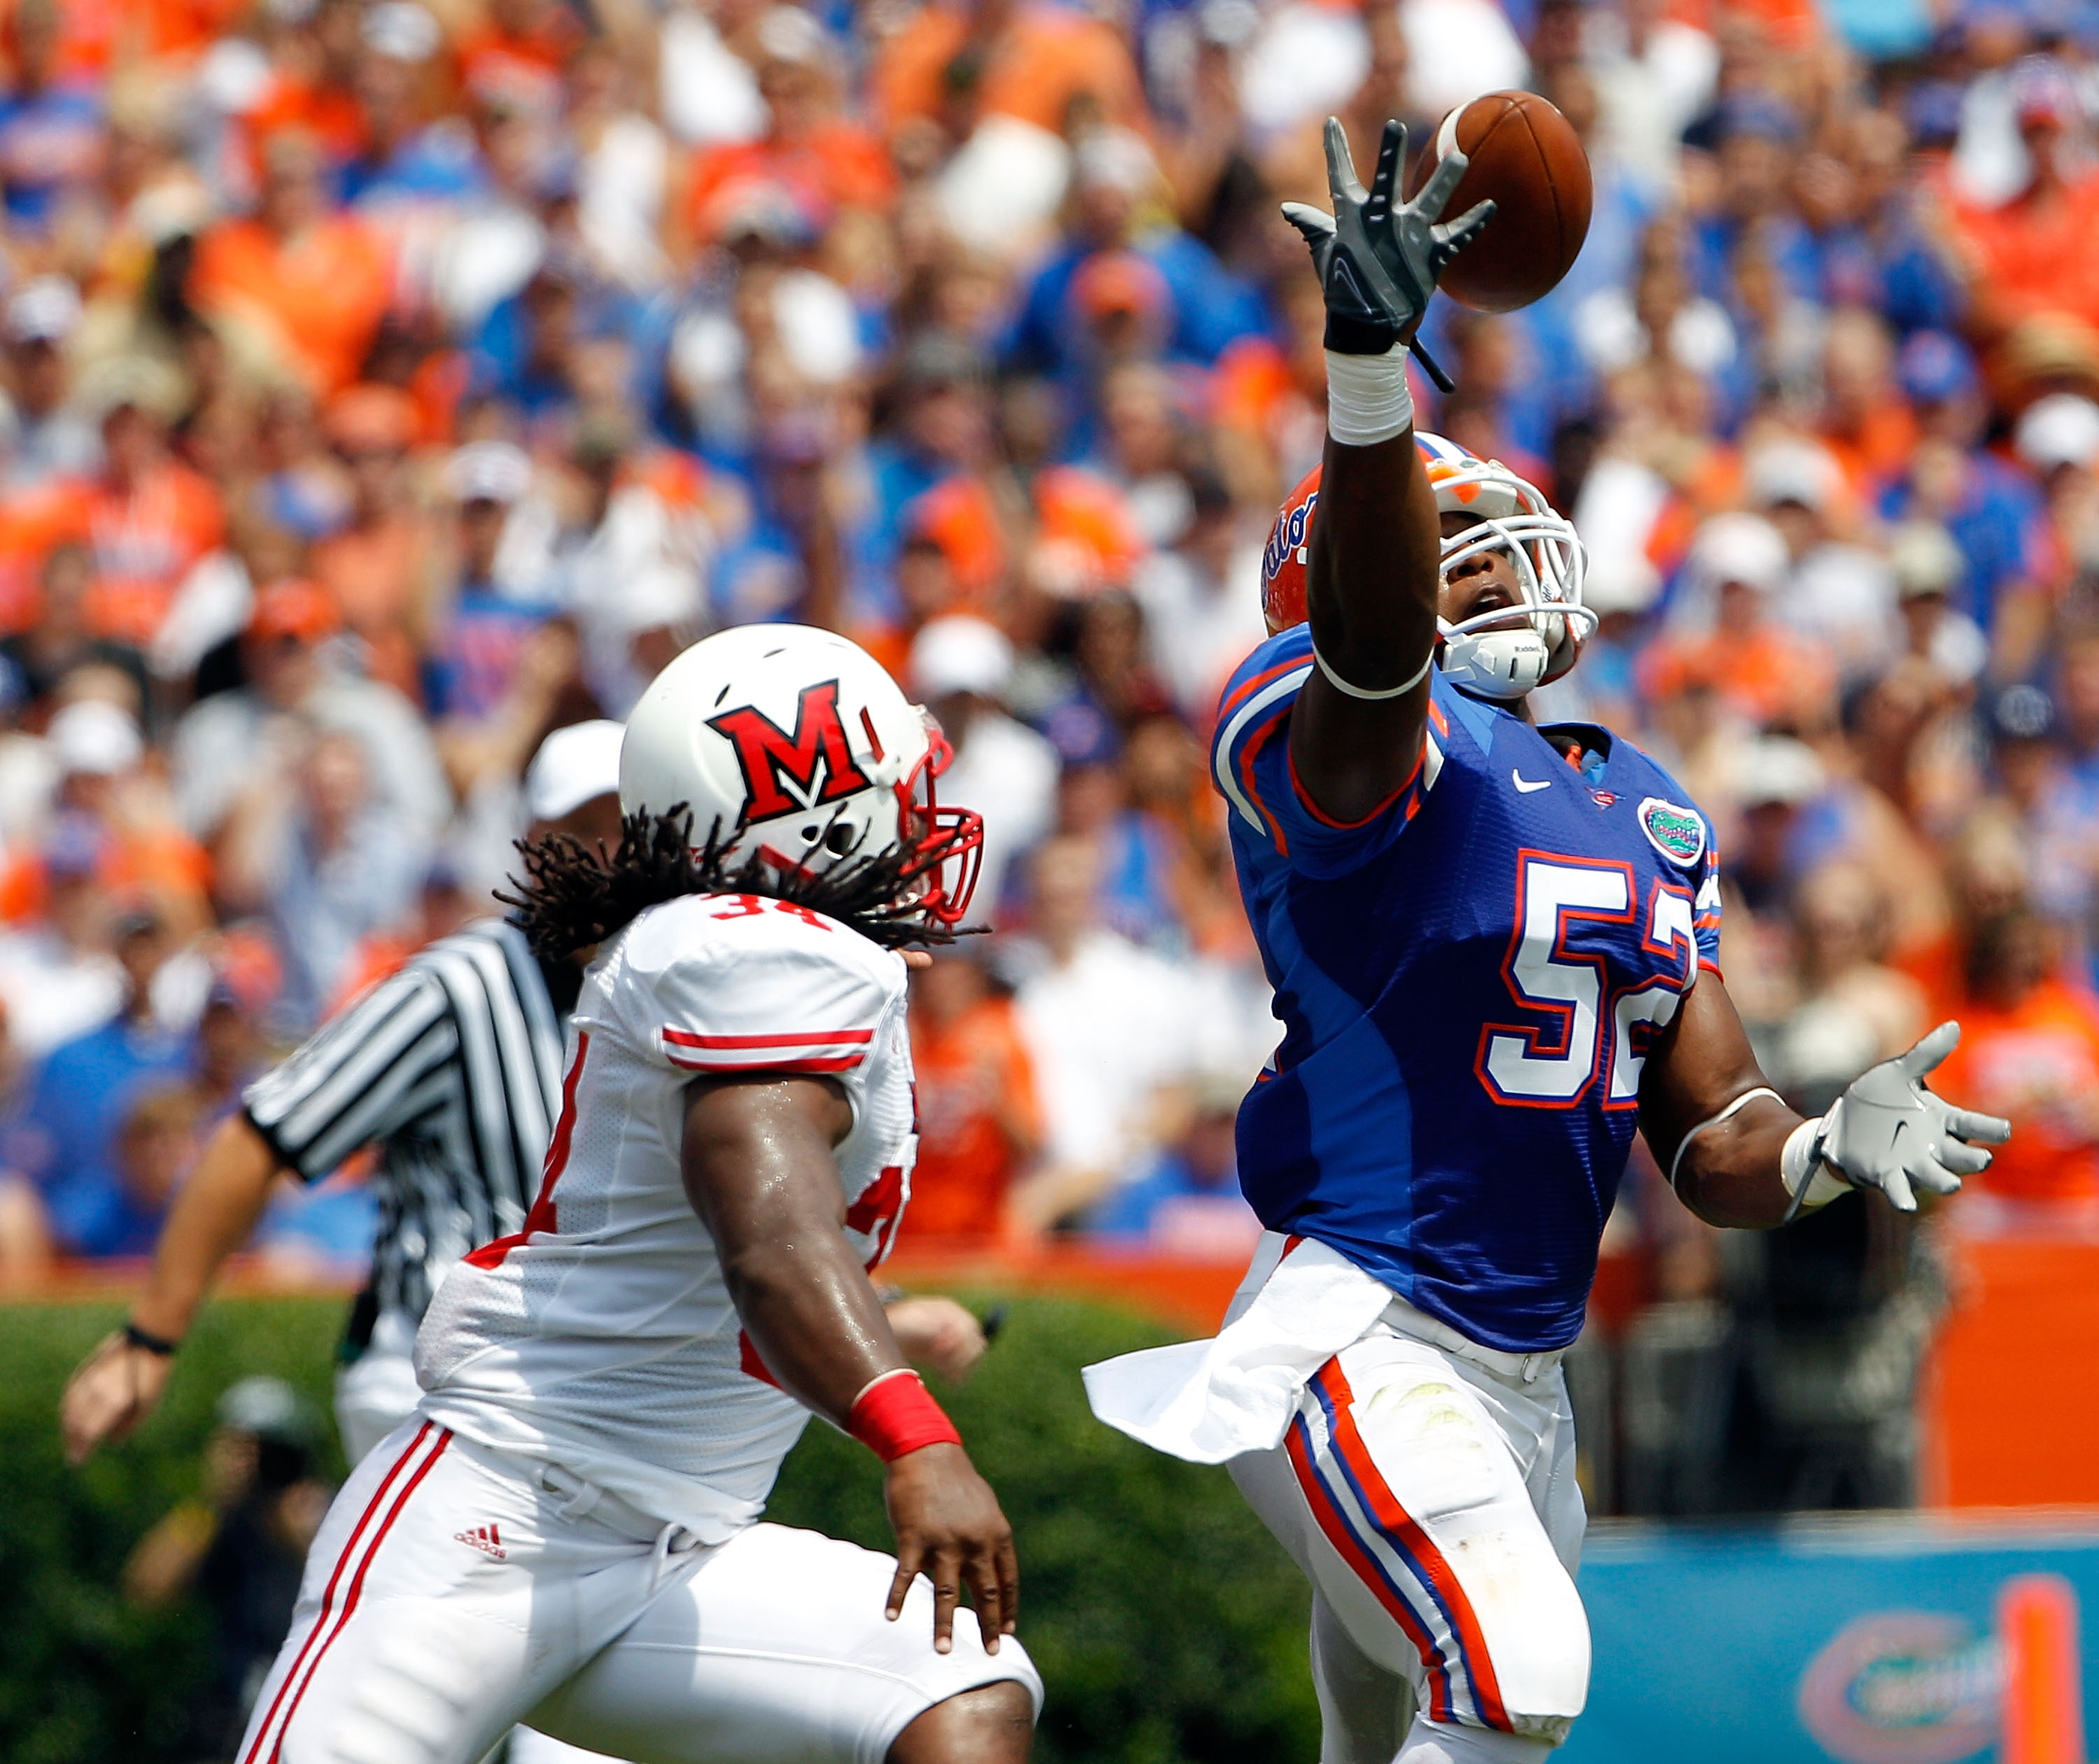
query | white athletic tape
[1368, 399]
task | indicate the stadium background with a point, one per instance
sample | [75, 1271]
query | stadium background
[388, 383]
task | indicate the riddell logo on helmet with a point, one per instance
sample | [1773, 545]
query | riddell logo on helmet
[785, 773]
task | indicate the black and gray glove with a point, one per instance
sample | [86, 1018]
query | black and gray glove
[1379, 261]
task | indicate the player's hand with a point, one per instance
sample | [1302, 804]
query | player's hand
[1379, 259]
[1888, 1132]
[116, 1387]
[948, 1527]
[937, 1334]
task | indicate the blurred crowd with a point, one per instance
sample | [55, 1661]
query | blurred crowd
[388, 382]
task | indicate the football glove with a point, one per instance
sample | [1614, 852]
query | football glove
[1379, 261]
[1888, 1132]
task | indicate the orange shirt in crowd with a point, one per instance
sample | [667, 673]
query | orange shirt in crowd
[145, 540]
[973, 1075]
[1879, 452]
[374, 574]
[2037, 1064]
[1084, 523]
[836, 165]
[523, 67]
[316, 298]
[31, 522]
[332, 116]
[1770, 675]
[2031, 259]
[153, 859]
[95, 34]
[1049, 55]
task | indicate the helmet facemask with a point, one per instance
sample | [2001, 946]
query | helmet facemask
[1505, 651]
[942, 843]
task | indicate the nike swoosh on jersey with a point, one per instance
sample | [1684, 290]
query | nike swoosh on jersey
[1525, 785]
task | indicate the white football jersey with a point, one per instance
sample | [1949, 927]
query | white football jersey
[602, 1337]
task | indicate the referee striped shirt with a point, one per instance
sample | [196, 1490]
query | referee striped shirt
[453, 1067]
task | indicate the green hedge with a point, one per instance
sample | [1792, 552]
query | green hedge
[1167, 1624]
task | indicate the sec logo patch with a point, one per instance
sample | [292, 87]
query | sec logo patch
[1677, 833]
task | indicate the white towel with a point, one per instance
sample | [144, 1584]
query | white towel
[1209, 1401]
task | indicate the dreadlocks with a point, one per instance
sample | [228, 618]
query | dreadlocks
[575, 894]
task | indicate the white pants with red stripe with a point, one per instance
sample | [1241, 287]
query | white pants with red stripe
[1433, 1503]
[448, 1596]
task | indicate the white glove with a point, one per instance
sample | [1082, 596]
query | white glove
[1888, 1132]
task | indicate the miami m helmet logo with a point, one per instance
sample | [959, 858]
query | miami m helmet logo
[785, 773]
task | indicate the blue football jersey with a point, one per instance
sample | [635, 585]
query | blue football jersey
[1469, 980]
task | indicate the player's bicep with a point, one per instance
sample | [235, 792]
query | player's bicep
[1373, 569]
[756, 1159]
[1699, 1063]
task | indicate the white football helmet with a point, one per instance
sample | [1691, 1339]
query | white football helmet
[1500, 654]
[795, 746]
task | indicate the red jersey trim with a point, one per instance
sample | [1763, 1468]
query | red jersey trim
[838, 1037]
[1326, 819]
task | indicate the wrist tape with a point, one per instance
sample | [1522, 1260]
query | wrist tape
[1808, 1179]
[895, 1414]
[1368, 399]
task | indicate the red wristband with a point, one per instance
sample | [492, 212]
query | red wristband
[896, 1414]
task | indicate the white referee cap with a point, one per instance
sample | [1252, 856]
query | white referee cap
[573, 765]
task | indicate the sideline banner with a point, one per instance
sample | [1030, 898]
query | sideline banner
[1873, 1640]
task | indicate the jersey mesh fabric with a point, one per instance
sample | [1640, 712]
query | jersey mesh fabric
[602, 1336]
[1468, 979]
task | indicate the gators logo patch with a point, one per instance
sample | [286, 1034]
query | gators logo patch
[1678, 833]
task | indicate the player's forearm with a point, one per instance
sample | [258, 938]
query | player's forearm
[759, 1169]
[1730, 1173]
[811, 1312]
[1710, 1117]
[1371, 584]
[1371, 580]
[214, 1213]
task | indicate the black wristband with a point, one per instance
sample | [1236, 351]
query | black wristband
[136, 1337]
[1348, 336]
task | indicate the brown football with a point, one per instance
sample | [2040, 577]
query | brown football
[1525, 158]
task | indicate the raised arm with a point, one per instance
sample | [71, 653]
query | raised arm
[1736, 1155]
[757, 1167]
[1373, 571]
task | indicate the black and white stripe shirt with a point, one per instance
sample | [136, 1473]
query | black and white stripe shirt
[453, 1065]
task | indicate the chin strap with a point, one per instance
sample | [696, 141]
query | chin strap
[1468, 657]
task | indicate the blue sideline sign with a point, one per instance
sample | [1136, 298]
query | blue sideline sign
[1867, 1640]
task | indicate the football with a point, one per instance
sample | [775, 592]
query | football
[1527, 159]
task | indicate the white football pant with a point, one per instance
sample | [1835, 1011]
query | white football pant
[448, 1598]
[374, 1394]
[1432, 1502]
